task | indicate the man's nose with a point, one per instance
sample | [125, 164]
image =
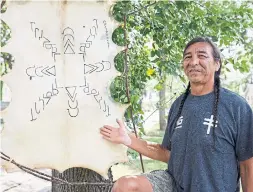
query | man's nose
[194, 61]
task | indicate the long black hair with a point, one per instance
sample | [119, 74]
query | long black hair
[217, 57]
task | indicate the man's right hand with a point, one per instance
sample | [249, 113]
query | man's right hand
[116, 135]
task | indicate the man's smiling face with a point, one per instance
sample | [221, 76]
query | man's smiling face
[199, 64]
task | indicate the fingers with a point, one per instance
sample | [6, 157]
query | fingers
[108, 127]
[105, 132]
[120, 123]
[107, 138]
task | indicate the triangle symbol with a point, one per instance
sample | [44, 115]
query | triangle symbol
[68, 42]
[51, 70]
[43, 71]
[89, 68]
[71, 91]
[69, 50]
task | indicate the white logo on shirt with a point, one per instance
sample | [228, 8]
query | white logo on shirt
[179, 122]
[209, 123]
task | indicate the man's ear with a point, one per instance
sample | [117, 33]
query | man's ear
[217, 65]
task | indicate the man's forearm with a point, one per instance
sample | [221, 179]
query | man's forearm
[247, 184]
[246, 171]
[153, 151]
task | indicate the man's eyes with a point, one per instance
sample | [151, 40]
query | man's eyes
[202, 56]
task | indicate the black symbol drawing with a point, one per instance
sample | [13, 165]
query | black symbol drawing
[45, 71]
[93, 91]
[32, 25]
[82, 51]
[41, 34]
[46, 42]
[108, 110]
[68, 29]
[75, 105]
[89, 40]
[104, 106]
[36, 108]
[33, 119]
[40, 71]
[107, 34]
[47, 96]
[71, 115]
[97, 67]
[49, 71]
[44, 100]
[106, 63]
[68, 40]
[96, 22]
[36, 30]
[27, 72]
[96, 95]
[89, 68]
[55, 90]
[71, 92]
[68, 48]
[36, 71]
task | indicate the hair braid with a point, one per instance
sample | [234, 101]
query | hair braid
[186, 93]
[216, 101]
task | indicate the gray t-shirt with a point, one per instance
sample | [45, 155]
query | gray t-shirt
[201, 161]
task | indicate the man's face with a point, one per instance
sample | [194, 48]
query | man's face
[199, 64]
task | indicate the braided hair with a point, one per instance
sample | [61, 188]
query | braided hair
[217, 57]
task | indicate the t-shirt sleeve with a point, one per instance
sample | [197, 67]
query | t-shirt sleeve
[167, 136]
[244, 141]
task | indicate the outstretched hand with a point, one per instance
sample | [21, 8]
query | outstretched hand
[116, 135]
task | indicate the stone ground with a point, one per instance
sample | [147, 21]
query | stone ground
[23, 182]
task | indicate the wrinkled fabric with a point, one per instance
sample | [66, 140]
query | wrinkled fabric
[161, 181]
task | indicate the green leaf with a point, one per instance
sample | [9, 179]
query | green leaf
[159, 87]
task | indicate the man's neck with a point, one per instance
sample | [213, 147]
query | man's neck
[201, 89]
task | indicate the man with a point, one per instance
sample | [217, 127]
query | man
[202, 156]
